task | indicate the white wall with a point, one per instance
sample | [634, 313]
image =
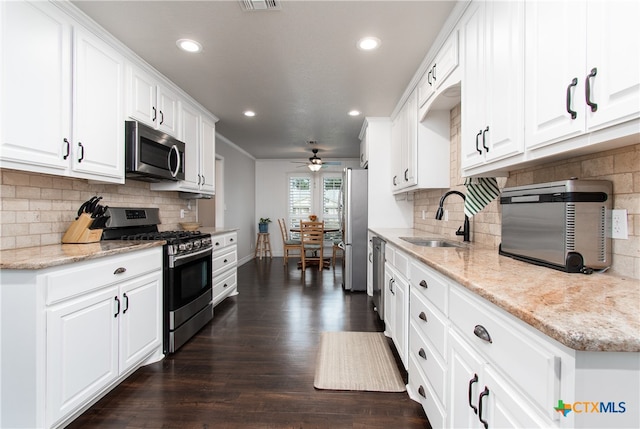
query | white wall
[272, 192]
[239, 190]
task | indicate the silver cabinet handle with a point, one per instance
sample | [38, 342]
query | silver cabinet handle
[120, 270]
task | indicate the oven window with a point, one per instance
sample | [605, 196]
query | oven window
[190, 281]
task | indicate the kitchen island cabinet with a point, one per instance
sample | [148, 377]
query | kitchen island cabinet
[76, 330]
[513, 340]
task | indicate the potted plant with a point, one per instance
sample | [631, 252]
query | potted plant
[263, 225]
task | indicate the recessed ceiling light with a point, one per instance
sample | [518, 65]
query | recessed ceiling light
[250, 113]
[354, 113]
[189, 45]
[368, 43]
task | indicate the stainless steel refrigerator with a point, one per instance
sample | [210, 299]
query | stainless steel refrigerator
[354, 229]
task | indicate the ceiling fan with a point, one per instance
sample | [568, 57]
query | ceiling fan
[315, 162]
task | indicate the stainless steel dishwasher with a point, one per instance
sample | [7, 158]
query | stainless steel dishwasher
[378, 275]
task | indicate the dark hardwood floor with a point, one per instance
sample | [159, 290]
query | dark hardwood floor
[253, 365]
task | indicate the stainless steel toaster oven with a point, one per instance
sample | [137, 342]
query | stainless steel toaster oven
[563, 225]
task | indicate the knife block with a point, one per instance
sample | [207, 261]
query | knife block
[79, 232]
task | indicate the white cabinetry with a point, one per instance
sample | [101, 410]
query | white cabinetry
[59, 68]
[594, 59]
[493, 83]
[364, 150]
[225, 266]
[396, 300]
[89, 324]
[151, 102]
[436, 79]
[197, 131]
[419, 151]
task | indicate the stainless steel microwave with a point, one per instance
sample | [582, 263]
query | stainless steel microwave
[151, 155]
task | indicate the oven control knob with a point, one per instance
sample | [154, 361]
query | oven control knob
[189, 245]
[182, 247]
[206, 242]
[197, 244]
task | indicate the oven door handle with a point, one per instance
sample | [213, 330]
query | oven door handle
[176, 261]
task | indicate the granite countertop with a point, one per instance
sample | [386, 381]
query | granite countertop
[597, 312]
[36, 258]
[216, 231]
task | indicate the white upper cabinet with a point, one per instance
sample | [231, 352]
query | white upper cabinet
[492, 83]
[438, 73]
[151, 102]
[583, 68]
[98, 126]
[198, 134]
[58, 68]
[41, 85]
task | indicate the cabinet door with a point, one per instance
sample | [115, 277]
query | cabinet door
[82, 351]
[396, 152]
[141, 97]
[389, 303]
[208, 163]
[35, 92]
[401, 339]
[140, 319]
[613, 48]
[555, 57]
[98, 120]
[168, 108]
[473, 89]
[503, 130]
[502, 407]
[410, 154]
[191, 138]
[465, 368]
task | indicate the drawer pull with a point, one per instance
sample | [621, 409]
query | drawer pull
[481, 332]
[471, 382]
[224, 285]
[421, 392]
[120, 270]
[484, 393]
[217, 243]
[423, 283]
[231, 240]
[422, 316]
[422, 354]
[225, 261]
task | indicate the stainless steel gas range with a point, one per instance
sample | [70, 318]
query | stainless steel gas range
[187, 270]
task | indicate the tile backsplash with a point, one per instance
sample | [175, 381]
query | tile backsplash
[37, 209]
[621, 166]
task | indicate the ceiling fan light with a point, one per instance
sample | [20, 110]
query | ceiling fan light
[314, 167]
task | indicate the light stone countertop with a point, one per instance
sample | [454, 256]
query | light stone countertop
[597, 312]
[216, 231]
[36, 258]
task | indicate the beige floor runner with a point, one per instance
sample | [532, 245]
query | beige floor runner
[356, 361]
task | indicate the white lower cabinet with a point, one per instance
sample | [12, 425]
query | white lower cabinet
[396, 301]
[78, 330]
[225, 266]
[480, 398]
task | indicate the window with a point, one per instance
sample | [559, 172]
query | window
[305, 198]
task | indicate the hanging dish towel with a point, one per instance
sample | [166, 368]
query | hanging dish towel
[480, 192]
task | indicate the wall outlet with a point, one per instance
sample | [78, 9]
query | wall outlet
[181, 213]
[619, 224]
[423, 215]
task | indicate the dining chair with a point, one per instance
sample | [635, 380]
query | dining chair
[288, 243]
[312, 238]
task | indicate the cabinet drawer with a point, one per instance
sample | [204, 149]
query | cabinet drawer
[429, 322]
[402, 264]
[228, 257]
[224, 282]
[430, 285]
[428, 360]
[87, 276]
[517, 352]
[429, 401]
[230, 239]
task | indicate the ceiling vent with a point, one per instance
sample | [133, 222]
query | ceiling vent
[255, 5]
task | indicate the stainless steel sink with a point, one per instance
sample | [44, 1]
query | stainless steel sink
[431, 242]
